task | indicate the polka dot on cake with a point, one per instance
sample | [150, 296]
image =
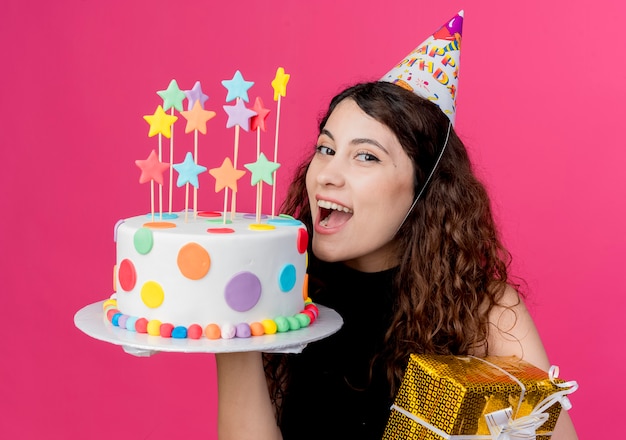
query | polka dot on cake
[127, 275]
[243, 291]
[305, 287]
[287, 277]
[303, 240]
[152, 294]
[143, 240]
[193, 261]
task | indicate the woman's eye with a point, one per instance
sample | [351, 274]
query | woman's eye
[366, 157]
[322, 149]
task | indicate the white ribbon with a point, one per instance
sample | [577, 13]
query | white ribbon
[502, 425]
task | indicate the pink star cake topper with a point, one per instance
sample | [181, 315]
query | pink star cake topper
[151, 169]
[258, 121]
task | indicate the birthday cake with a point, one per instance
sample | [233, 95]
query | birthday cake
[197, 277]
[214, 274]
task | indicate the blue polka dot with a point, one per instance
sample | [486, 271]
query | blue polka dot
[287, 278]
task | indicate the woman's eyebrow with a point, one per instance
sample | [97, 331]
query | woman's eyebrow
[369, 141]
[326, 133]
[357, 141]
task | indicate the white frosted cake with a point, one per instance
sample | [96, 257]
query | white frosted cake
[201, 277]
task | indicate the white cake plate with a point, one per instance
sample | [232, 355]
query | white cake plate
[92, 321]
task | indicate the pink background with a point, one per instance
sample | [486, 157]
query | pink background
[540, 108]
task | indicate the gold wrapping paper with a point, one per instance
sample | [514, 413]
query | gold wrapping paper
[453, 393]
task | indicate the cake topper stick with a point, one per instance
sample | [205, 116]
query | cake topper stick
[259, 186]
[160, 186]
[188, 172]
[226, 176]
[151, 169]
[172, 99]
[195, 189]
[262, 170]
[161, 124]
[169, 193]
[258, 123]
[196, 117]
[279, 84]
[238, 115]
[233, 201]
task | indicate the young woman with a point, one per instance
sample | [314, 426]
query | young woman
[404, 247]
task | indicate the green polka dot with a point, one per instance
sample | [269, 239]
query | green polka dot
[143, 240]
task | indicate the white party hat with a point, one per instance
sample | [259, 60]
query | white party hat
[431, 70]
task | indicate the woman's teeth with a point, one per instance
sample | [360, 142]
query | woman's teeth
[334, 206]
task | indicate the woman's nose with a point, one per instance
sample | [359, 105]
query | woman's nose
[331, 172]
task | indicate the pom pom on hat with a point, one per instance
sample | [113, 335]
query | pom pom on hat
[431, 70]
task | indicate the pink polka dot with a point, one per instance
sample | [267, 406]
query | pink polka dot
[220, 230]
[209, 214]
[127, 275]
[303, 240]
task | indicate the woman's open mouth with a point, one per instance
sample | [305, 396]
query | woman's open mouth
[332, 215]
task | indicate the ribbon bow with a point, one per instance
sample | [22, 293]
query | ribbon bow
[501, 424]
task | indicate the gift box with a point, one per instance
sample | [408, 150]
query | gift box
[465, 397]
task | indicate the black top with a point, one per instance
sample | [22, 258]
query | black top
[330, 395]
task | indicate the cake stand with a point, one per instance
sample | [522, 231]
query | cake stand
[92, 321]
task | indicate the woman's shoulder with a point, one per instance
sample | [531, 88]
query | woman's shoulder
[512, 331]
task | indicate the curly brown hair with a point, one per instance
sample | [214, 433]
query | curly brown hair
[453, 266]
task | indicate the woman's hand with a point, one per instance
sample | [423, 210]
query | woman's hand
[245, 410]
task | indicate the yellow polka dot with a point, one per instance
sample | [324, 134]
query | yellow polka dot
[261, 227]
[154, 327]
[152, 294]
[193, 261]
